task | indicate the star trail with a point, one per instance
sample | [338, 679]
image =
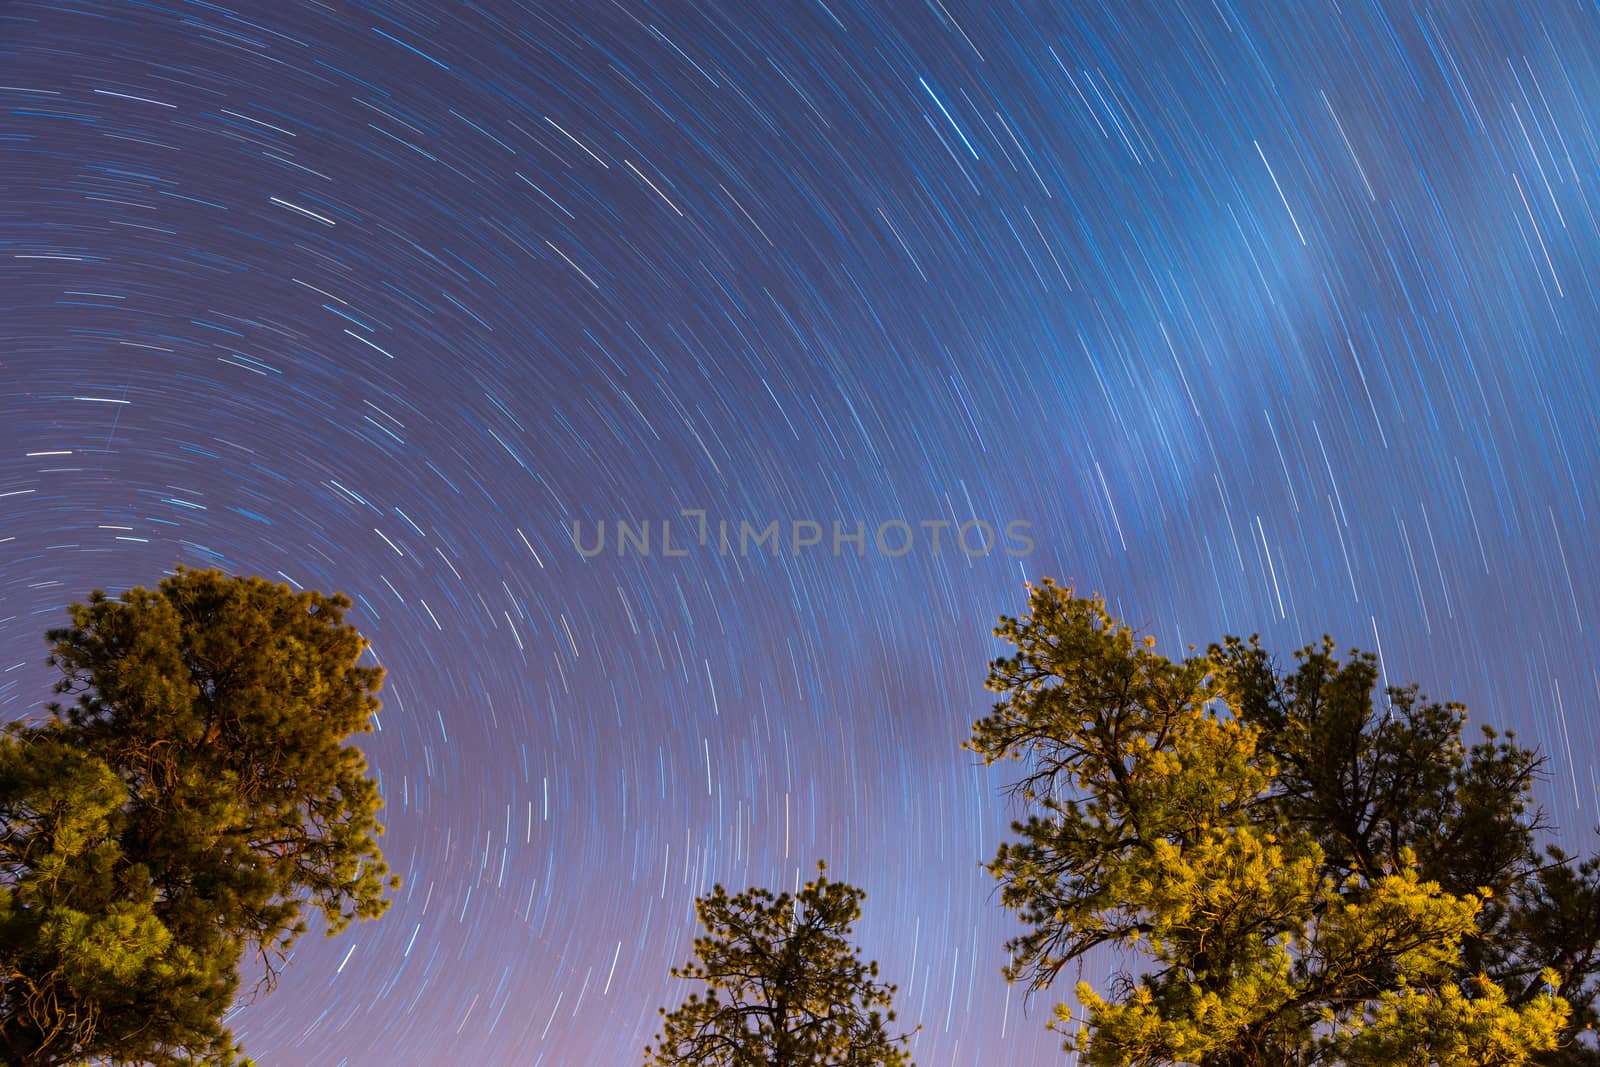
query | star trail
[1273, 317]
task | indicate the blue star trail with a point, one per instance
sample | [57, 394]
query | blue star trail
[1255, 317]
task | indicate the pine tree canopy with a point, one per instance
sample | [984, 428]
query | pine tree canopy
[174, 821]
[1288, 867]
[784, 987]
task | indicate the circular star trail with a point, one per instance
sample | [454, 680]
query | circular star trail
[1253, 318]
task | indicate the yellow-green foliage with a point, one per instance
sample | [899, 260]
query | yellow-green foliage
[194, 799]
[783, 986]
[1289, 873]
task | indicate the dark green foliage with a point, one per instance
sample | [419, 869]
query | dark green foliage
[784, 986]
[1304, 874]
[185, 811]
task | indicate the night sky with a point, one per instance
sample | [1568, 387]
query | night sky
[1274, 318]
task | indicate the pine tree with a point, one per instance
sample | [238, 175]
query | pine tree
[179, 817]
[784, 986]
[1302, 874]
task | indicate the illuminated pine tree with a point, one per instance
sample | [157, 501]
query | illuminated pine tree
[784, 987]
[1300, 874]
[179, 818]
